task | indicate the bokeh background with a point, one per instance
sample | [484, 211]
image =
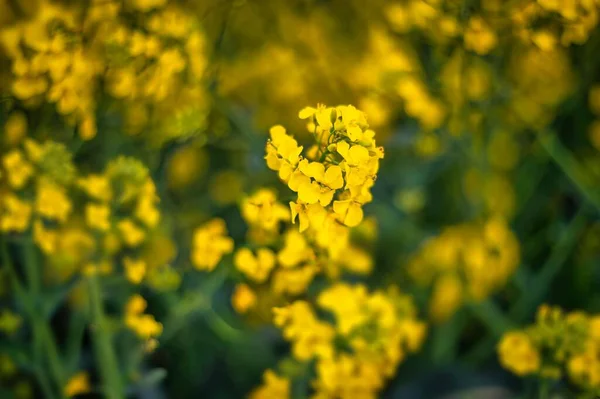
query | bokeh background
[484, 207]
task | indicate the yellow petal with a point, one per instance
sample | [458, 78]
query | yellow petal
[358, 154]
[333, 177]
[315, 170]
[326, 197]
[306, 112]
[354, 215]
[309, 192]
[342, 148]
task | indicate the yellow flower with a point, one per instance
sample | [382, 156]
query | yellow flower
[293, 281]
[135, 270]
[243, 298]
[283, 152]
[97, 216]
[104, 267]
[354, 155]
[479, 37]
[143, 325]
[15, 128]
[350, 212]
[518, 354]
[132, 234]
[258, 267]
[273, 387]
[77, 385]
[544, 39]
[147, 212]
[210, 243]
[263, 210]
[87, 128]
[295, 251]
[308, 214]
[18, 170]
[52, 202]
[97, 187]
[16, 214]
[46, 239]
[309, 336]
[446, 298]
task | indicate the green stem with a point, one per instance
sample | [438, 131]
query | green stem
[221, 327]
[105, 354]
[560, 254]
[586, 184]
[44, 383]
[493, 318]
[445, 339]
[544, 389]
[46, 338]
[41, 332]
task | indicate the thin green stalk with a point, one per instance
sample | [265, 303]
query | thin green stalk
[585, 183]
[445, 339]
[46, 338]
[560, 254]
[221, 327]
[490, 315]
[44, 383]
[105, 354]
[544, 389]
[39, 328]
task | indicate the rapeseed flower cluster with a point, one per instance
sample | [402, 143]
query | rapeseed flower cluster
[465, 263]
[67, 55]
[345, 158]
[356, 353]
[558, 345]
[35, 182]
[332, 183]
[127, 156]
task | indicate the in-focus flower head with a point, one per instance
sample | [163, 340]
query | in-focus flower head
[337, 178]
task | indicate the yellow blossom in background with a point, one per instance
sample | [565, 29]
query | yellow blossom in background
[479, 37]
[97, 187]
[143, 325]
[273, 386]
[97, 216]
[18, 170]
[518, 354]
[465, 263]
[78, 384]
[243, 298]
[557, 344]
[15, 128]
[379, 328]
[210, 243]
[132, 234]
[16, 214]
[135, 270]
[52, 202]
[257, 267]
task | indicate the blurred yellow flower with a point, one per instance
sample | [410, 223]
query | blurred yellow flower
[77, 385]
